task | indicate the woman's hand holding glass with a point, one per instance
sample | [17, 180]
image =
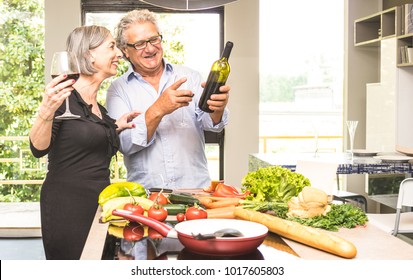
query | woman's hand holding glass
[55, 94]
[65, 62]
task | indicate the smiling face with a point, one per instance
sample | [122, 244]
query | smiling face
[105, 58]
[146, 61]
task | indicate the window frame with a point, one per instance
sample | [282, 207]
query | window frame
[115, 6]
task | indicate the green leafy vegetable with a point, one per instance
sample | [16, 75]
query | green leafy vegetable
[279, 209]
[340, 216]
[273, 184]
[272, 187]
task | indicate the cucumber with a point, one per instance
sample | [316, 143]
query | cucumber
[174, 209]
[182, 198]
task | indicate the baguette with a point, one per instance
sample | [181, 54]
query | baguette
[309, 236]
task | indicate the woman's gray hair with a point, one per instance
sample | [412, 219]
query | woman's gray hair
[135, 16]
[83, 39]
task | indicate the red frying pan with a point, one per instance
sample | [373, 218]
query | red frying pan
[253, 234]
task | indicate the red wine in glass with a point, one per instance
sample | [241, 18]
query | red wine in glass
[65, 63]
[74, 76]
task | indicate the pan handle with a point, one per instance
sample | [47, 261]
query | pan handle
[160, 227]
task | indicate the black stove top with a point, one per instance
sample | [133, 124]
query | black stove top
[160, 249]
[137, 242]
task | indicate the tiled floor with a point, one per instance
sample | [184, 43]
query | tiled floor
[21, 249]
[20, 234]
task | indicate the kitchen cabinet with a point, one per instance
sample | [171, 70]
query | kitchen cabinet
[405, 47]
[381, 102]
[371, 29]
[388, 102]
[389, 117]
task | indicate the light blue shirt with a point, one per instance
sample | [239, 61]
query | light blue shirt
[175, 156]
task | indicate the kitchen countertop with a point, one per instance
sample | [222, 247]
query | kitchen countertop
[359, 165]
[371, 243]
[96, 239]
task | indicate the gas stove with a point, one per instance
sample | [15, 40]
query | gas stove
[149, 248]
[161, 249]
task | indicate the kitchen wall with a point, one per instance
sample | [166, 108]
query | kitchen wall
[241, 26]
[361, 67]
[61, 17]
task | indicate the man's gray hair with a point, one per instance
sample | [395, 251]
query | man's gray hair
[135, 16]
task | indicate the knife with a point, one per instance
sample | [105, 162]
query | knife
[160, 189]
[177, 191]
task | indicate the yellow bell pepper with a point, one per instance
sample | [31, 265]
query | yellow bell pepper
[121, 189]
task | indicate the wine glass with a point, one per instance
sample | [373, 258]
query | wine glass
[351, 126]
[182, 123]
[65, 63]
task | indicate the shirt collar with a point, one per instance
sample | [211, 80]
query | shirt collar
[130, 74]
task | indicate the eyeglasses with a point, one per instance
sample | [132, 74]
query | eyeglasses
[142, 44]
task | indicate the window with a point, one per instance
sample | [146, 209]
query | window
[21, 89]
[193, 38]
[301, 75]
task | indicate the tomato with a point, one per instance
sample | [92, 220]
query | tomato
[153, 234]
[180, 217]
[161, 198]
[158, 212]
[133, 232]
[134, 208]
[195, 212]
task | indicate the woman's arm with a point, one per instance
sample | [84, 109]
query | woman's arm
[54, 95]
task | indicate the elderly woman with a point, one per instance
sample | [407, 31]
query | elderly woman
[79, 150]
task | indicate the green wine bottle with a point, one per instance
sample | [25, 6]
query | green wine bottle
[217, 77]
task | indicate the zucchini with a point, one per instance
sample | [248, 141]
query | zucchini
[174, 209]
[183, 198]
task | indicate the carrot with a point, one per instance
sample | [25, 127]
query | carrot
[313, 237]
[205, 201]
[224, 203]
[214, 202]
[215, 198]
[221, 213]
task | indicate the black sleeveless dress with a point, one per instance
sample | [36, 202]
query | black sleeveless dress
[78, 170]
